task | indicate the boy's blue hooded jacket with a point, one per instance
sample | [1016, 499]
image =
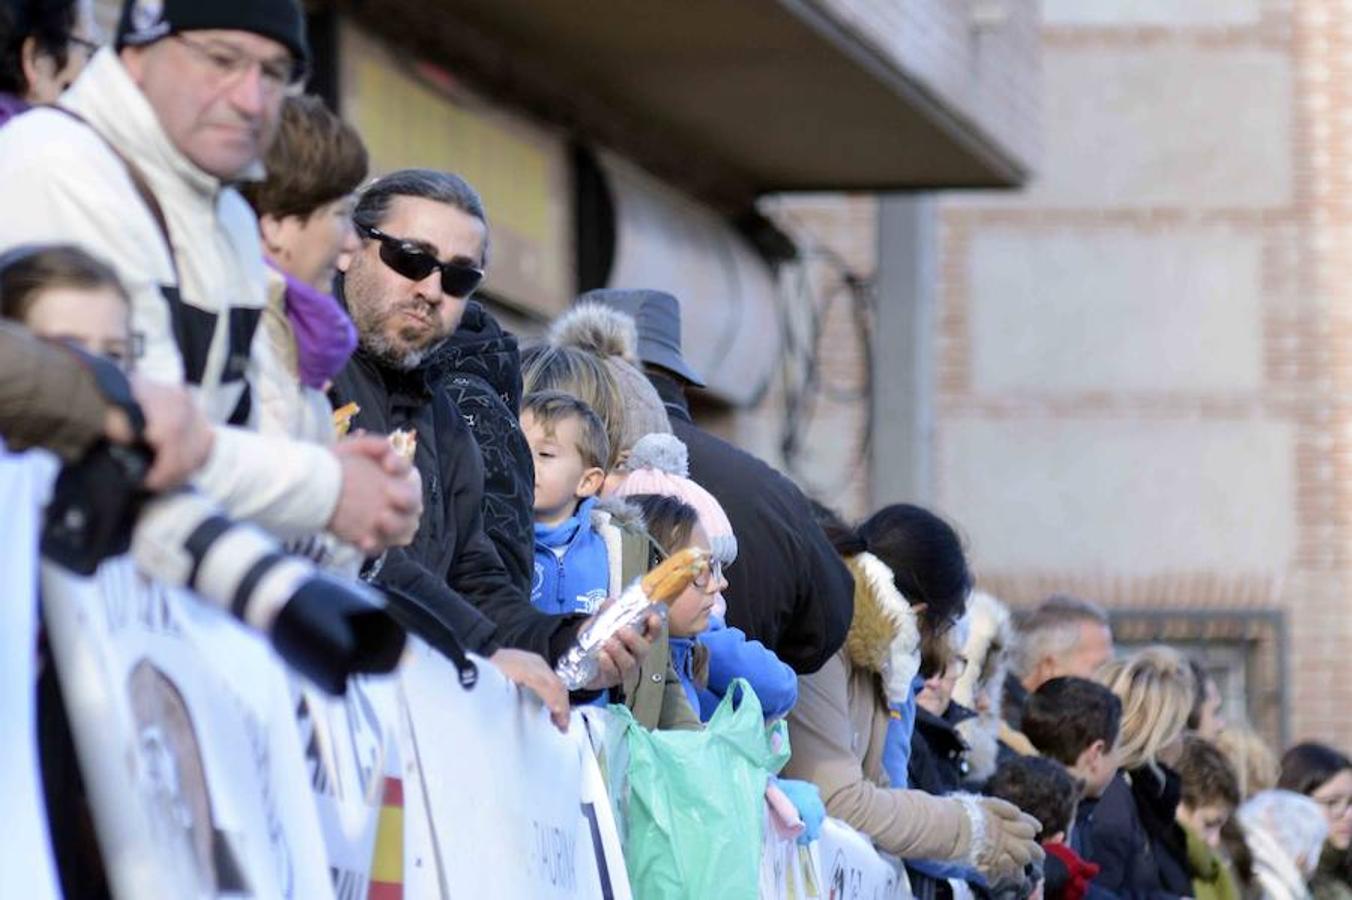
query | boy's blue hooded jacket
[572, 568]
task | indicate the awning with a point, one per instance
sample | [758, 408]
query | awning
[726, 98]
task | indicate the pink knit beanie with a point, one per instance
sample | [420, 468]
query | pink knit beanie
[659, 464]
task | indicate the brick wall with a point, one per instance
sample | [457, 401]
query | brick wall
[1144, 357]
[979, 57]
[838, 237]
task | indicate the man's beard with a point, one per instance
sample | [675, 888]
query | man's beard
[395, 354]
[402, 354]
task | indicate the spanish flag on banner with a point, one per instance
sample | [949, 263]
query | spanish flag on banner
[387, 861]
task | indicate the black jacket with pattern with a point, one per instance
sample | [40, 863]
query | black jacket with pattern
[479, 367]
[451, 575]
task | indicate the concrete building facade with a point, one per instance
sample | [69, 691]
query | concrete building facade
[1140, 365]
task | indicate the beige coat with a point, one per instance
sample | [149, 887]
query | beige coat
[837, 732]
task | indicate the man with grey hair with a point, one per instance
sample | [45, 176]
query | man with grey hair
[1063, 635]
[424, 245]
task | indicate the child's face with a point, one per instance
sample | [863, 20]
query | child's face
[1206, 820]
[690, 612]
[562, 477]
[96, 320]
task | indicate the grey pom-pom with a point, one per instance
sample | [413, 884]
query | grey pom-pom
[663, 452]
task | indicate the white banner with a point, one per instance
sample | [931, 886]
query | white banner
[26, 865]
[516, 807]
[851, 869]
[788, 869]
[187, 737]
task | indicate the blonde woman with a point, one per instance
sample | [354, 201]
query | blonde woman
[1131, 831]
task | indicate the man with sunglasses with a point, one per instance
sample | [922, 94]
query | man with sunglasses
[136, 167]
[424, 245]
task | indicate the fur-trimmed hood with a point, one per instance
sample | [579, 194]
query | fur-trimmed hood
[987, 646]
[989, 643]
[884, 635]
[612, 518]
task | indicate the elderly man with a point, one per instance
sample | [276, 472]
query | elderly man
[136, 168]
[424, 244]
[1063, 636]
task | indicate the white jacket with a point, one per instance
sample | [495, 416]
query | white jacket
[60, 182]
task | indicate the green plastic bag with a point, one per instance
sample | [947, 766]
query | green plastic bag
[696, 805]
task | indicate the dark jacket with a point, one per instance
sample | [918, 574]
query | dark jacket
[1131, 834]
[479, 367]
[1067, 875]
[789, 589]
[451, 575]
[938, 763]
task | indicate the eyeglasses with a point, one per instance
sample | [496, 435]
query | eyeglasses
[711, 575]
[230, 64]
[404, 257]
[85, 44]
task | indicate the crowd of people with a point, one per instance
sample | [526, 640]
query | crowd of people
[198, 271]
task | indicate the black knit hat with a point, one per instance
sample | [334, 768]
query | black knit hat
[146, 21]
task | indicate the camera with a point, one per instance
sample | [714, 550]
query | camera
[325, 628]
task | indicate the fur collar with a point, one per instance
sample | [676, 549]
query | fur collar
[990, 639]
[884, 635]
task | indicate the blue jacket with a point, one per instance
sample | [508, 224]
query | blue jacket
[731, 656]
[572, 567]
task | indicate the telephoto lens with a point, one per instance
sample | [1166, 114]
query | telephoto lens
[324, 627]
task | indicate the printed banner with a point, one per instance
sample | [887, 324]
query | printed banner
[26, 865]
[185, 729]
[516, 808]
[788, 870]
[851, 869]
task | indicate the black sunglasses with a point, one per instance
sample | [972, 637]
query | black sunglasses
[457, 279]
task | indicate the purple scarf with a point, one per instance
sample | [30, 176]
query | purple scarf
[325, 336]
[10, 106]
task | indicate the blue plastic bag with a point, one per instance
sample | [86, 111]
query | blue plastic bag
[696, 806]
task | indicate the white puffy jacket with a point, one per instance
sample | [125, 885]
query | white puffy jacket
[61, 182]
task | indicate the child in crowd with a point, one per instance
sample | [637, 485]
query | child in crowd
[1210, 796]
[705, 661]
[1076, 722]
[63, 293]
[658, 465]
[1043, 788]
[569, 446]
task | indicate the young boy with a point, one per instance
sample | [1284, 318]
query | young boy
[1210, 797]
[569, 446]
[1075, 722]
[1044, 789]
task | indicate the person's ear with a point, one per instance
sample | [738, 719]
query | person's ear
[37, 66]
[1091, 756]
[272, 228]
[590, 482]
